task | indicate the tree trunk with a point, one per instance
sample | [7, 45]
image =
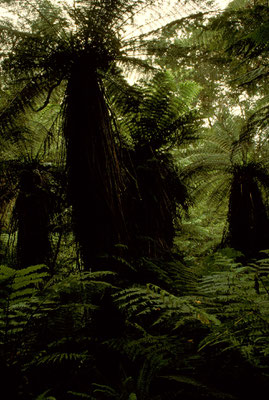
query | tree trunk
[94, 173]
[32, 212]
[248, 223]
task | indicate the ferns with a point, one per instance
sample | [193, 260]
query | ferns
[239, 298]
[153, 330]
[166, 309]
[231, 165]
[160, 114]
[44, 396]
[19, 304]
[161, 330]
[232, 303]
[21, 311]
[40, 317]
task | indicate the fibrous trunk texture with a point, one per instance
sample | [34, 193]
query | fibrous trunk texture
[94, 172]
[152, 203]
[247, 218]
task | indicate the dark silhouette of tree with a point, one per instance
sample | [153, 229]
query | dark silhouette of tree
[247, 221]
[32, 212]
[231, 166]
[29, 176]
[28, 198]
[156, 118]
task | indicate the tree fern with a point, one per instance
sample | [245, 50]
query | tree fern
[229, 166]
[153, 118]
[48, 54]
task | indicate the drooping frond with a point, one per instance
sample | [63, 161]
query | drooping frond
[159, 113]
[153, 118]
[240, 35]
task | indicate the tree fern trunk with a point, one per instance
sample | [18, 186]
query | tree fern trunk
[94, 172]
[248, 223]
[150, 206]
[32, 215]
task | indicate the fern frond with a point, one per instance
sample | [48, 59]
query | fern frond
[79, 395]
[59, 358]
[44, 396]
[242, 296]
[165, 307]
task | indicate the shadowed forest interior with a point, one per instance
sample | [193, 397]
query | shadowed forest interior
[134, 199]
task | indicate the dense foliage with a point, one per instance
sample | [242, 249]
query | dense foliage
[134, 208]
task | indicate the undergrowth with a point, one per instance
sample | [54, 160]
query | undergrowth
[96, 335]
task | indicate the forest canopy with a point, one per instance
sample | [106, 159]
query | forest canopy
[134, 199]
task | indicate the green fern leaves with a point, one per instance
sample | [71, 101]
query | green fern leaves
[19, 303]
